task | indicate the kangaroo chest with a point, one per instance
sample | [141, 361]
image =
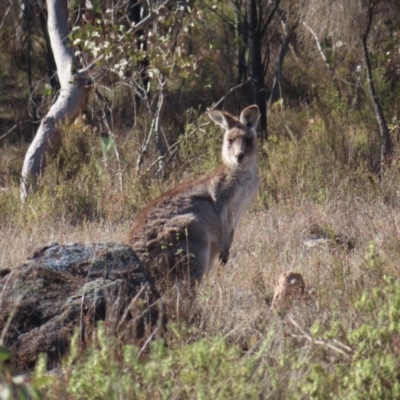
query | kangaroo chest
[242, 196]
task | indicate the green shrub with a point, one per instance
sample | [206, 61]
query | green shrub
[205, 369]
[371, 366]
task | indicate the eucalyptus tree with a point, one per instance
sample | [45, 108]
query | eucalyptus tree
[73, 94]
[357, 28]
[72, 49]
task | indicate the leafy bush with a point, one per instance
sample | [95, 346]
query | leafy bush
[370, 368]
[208, 368]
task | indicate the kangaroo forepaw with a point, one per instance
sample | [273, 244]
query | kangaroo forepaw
[223, 258]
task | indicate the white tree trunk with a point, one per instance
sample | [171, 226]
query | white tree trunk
[72, 97]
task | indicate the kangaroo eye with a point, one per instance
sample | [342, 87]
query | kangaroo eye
[249, 141]
[230, 141]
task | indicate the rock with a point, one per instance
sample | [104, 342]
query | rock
[289, 289]
[64, 287]
[319, 237]
[322, 243]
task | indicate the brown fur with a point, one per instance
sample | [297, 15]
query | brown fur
[180, 234]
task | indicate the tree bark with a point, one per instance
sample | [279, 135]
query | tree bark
[51, 64]
[259, 21]
[27, 14]
[387, 145]
[73, 94]
[256, 65]
[242, 37]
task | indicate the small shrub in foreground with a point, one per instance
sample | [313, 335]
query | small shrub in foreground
[370, 367]
[206, 369]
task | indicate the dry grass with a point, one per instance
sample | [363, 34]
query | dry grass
[233, 302]
[233, 298]
[314, 214]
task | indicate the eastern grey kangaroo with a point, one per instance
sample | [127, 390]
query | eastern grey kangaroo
[179, 235]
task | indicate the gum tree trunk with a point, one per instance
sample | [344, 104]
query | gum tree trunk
[72, 97]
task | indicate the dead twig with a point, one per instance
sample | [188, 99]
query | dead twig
[231, 90]
[161, 140]
[7, 133]
[111, 135]
[346, 352]
[147, 342]
[129, 308]
[5, 15]
[172, 147]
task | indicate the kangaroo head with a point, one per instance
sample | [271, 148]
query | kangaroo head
[240, 139]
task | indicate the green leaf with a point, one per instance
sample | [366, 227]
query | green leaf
[4, 354]
[42, 381]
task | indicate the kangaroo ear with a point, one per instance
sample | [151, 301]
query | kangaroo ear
[249, 116]
[223, 119]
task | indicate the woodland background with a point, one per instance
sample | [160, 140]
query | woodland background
[326, 76]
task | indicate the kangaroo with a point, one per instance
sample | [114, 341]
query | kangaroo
[180, 234]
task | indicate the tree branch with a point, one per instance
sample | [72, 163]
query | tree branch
[5, 15]
[161, 141]
[321, 52]
[152, 14]
[270, 16]
[278, 65]
[346, 351]
[172, 149]
[231, 90]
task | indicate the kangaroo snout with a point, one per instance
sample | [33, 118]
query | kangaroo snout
[240, 157]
